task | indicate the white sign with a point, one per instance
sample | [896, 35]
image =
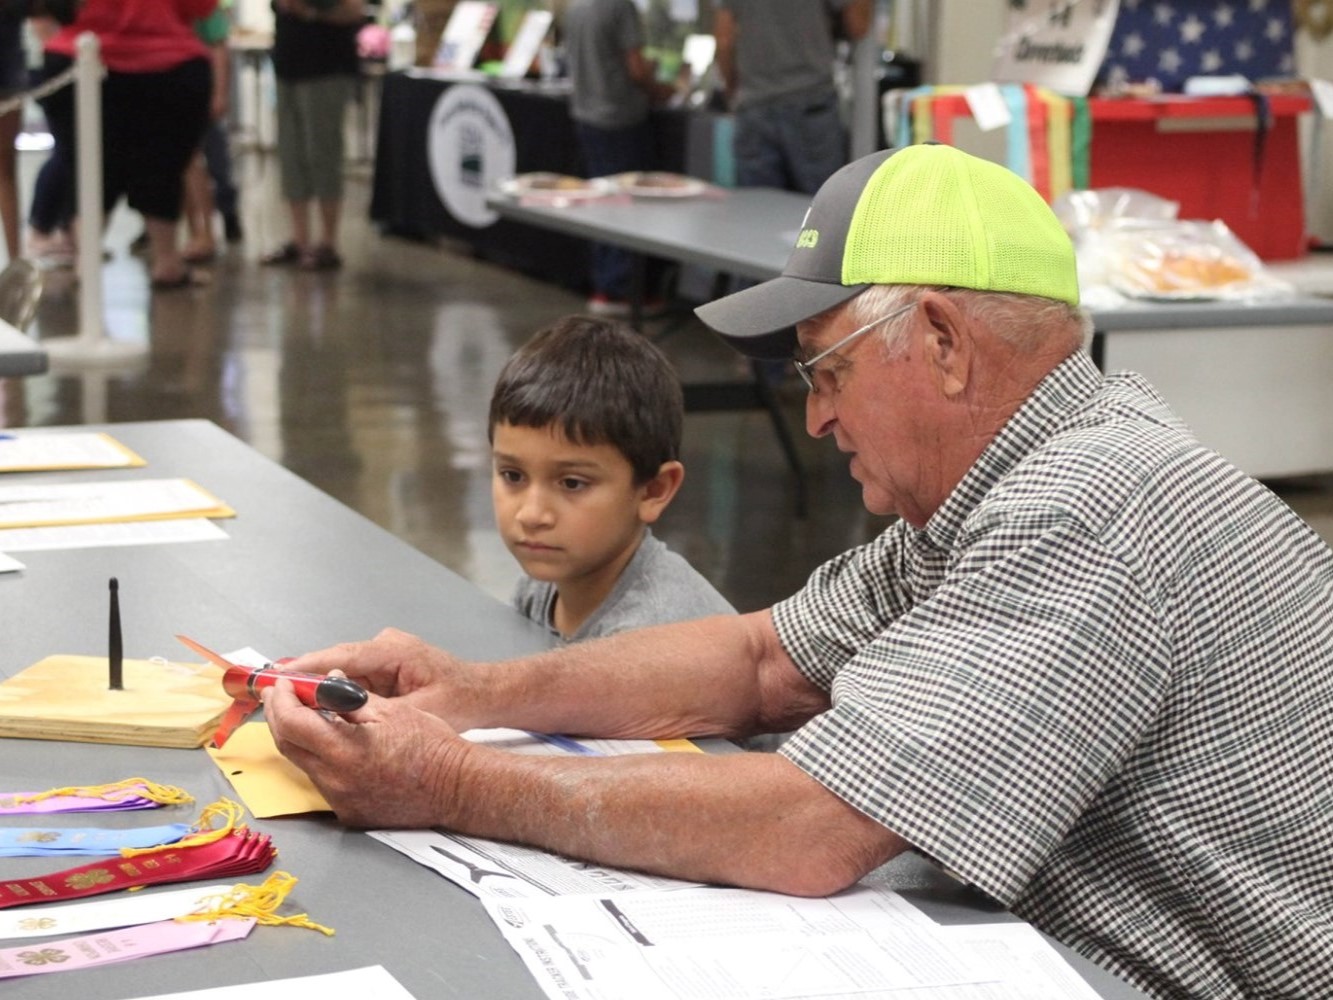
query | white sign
[1057, 44]
[464, 34]
[527, 40]
[1323, 96]
[470, 148]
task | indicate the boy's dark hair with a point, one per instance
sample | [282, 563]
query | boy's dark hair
[600, 382]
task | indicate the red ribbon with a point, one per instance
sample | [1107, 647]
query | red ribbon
[240, 853]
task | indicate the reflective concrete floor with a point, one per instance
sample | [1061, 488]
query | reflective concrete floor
[373, 383]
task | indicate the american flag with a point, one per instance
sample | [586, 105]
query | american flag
[1171, 40]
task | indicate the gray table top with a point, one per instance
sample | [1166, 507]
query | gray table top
[19, 353]
[299, 571]
[749, 232]
[745, 231]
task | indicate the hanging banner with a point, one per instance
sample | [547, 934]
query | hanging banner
[1056, 44]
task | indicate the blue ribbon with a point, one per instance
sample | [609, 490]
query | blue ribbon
[35, 842]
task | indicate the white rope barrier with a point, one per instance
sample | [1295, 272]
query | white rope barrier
[45, 89]
[91, 346]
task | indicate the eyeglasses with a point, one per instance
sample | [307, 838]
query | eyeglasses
[806, 369]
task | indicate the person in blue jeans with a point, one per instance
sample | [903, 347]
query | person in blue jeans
[615, 86]
[778, 75]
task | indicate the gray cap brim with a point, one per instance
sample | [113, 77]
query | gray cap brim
[760, 321]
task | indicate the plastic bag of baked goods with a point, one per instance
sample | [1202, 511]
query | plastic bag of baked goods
[1180, 260]
[1097, 208]
[1087, 214]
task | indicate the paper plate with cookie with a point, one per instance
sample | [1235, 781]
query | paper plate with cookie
[660, 184]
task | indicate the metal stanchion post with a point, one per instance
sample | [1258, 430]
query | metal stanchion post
[91, 347]
[88, 126]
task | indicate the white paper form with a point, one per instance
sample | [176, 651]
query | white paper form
[1033, 969]
[707, 944]
[372, 981]
[92, 536]
[36, 504]
[491, 869]
[21, 452]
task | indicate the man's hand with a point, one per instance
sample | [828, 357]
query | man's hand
[387, 765]
[400, 666]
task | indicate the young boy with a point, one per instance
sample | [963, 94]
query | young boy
[585, 429]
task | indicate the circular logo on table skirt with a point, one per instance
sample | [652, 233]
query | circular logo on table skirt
[470, 148]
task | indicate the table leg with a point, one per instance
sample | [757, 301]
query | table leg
[755, 393]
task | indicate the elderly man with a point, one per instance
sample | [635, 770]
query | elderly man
[1088, 670]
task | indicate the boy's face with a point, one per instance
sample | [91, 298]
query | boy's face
[570, 513]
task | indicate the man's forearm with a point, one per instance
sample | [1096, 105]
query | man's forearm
[712, 676]
[752, 820]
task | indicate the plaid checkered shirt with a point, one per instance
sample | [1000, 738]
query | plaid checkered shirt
[1097, 686]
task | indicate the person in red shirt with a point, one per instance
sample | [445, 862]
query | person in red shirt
[155, 106]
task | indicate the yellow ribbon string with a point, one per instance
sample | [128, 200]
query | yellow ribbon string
[202, 829]
[260, 902]
[167, 795]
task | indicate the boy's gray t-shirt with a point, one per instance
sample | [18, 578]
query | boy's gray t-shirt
[658, 586]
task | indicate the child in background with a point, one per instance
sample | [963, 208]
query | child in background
[585, 430]
[208, 184]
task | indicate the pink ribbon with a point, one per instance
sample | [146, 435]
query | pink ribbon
[108, 947]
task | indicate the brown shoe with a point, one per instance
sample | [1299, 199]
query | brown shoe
[322, 258]
[288, 253]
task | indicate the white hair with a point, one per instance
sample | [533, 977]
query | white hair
[1027, 323]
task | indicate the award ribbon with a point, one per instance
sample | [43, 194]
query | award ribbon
[126, 910]
[241, 853]
[33, 842]
[130, 793]
[118, 946]
[208, 853]
[199, 902]
[259, 902]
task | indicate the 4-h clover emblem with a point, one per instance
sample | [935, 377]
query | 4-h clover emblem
[45, 956]
[39, 837]
[90, 878]
[37, 924]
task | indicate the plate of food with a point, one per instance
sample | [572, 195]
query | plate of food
[660, 184]
[559, 186]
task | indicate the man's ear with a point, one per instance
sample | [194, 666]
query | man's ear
[658, 492]
[948, 343]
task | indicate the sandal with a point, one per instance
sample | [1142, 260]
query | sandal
[288, 253]
[186, 279]
[322, 258]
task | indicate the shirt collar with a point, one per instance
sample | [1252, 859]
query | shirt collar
[1068, 386]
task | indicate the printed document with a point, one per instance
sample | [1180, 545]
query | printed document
[867, 943]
